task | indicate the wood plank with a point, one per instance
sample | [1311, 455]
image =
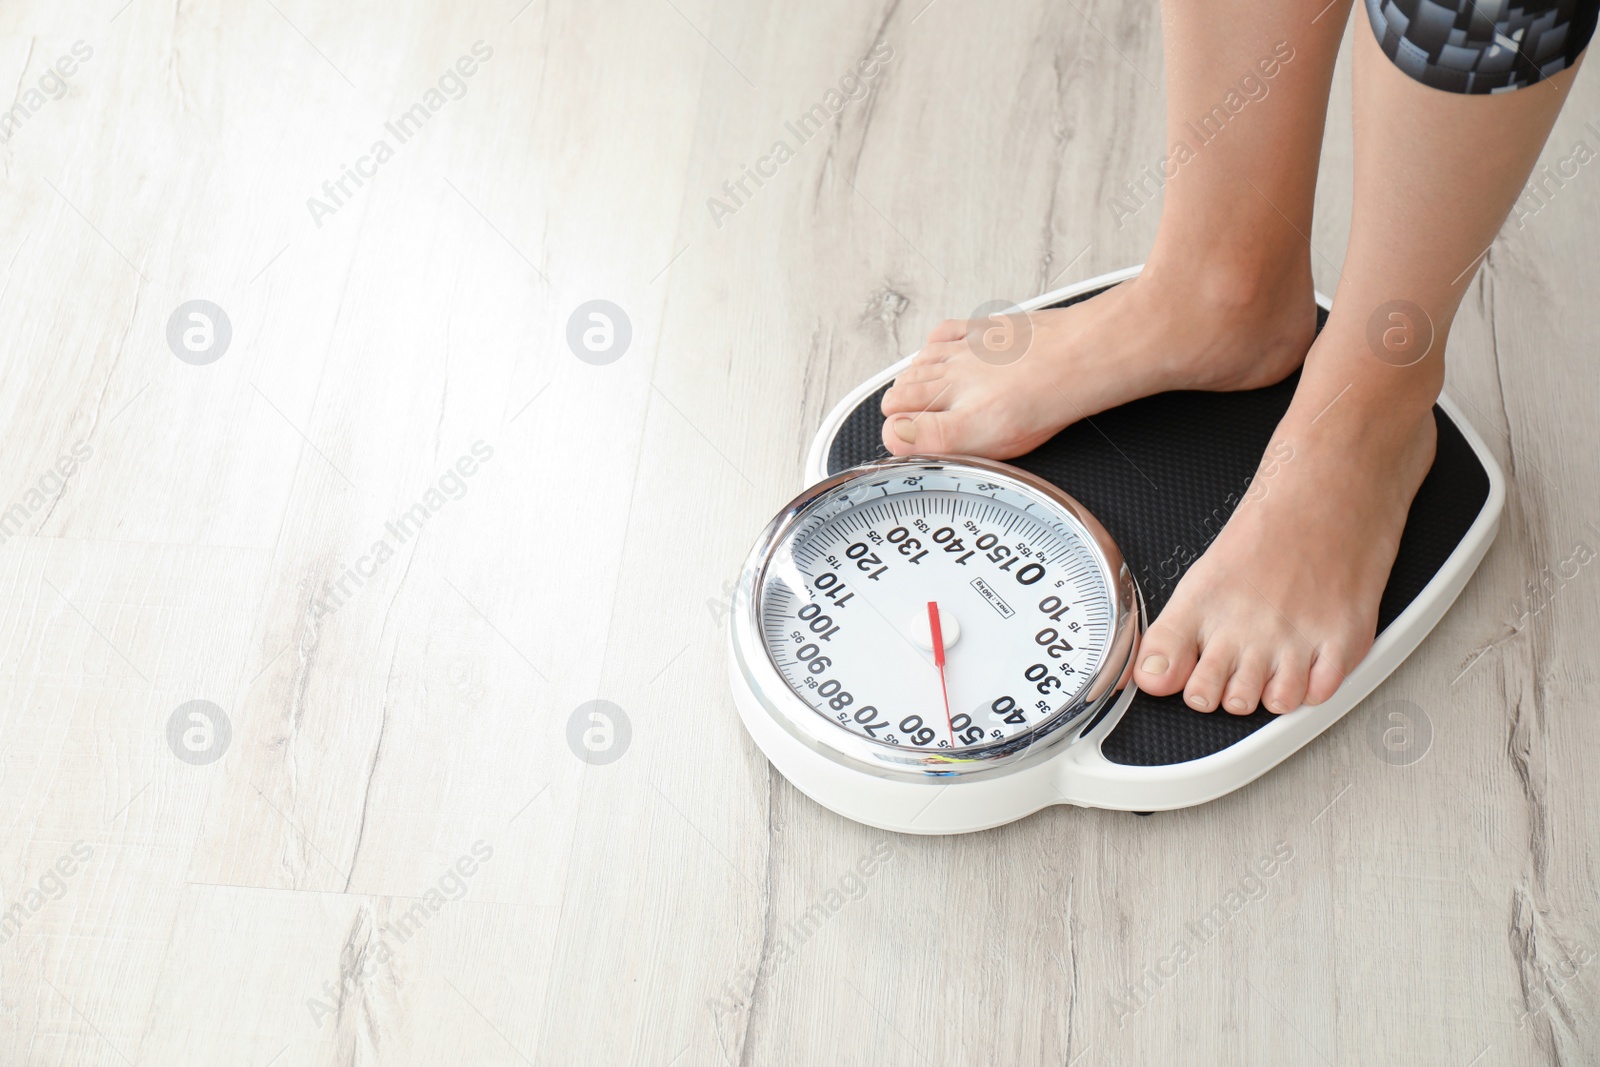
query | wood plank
[682, 904]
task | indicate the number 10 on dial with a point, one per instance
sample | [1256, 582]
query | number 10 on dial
[928, 616]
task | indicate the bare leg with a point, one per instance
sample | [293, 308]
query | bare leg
[1225, 300]
[1284, 603]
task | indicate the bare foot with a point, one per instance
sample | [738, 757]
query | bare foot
[1194, 329]
[1284, 603]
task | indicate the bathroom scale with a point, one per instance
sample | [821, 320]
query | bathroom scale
[942, 644]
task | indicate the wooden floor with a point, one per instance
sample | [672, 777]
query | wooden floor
[397, 536]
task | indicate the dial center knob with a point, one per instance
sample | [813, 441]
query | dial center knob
[921, 633]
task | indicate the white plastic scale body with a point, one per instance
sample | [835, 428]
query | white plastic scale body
[992, 628]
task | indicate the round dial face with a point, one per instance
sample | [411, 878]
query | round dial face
[938, 609]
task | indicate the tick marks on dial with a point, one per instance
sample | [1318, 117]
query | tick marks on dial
[891, 555]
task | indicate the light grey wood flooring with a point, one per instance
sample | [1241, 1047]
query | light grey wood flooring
[395, 856]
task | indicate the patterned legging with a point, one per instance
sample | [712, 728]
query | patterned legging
[1482, 46]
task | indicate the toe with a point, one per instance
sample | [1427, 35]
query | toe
[1243, 692]
[914, 397]
[1167, 654]
[1327, 674]
[1204, 689]
[920, 371]
[1286, 689]
[900, 435]
[948, 330]
[921, 432]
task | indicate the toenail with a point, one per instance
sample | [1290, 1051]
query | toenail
[1155, 665]
[906, 430]
[1237, 704]
[1199, 703]
[1279, 706]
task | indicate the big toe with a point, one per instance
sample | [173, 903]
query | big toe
[1167, 655]
[919, 432]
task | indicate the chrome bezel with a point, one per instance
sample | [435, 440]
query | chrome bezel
[821, 735]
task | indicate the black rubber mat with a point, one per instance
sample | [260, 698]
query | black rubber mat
[1163, 474]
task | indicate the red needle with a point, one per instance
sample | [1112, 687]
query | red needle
[938, 661]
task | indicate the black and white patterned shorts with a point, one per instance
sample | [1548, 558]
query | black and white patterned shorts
[1482, 46]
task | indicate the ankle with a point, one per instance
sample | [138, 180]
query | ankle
[1399, 361]
[1234, 281]
[1349, 397]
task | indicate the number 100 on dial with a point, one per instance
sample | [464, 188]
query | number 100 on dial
[942, 613]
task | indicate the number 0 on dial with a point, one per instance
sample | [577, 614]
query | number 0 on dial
[946, 613]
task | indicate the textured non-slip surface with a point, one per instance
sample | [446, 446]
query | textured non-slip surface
[1163, 474]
